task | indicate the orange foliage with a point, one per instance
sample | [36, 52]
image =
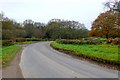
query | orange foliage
[105, 25]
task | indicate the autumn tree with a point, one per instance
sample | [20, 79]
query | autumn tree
[106, 25]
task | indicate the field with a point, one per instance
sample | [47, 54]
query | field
[106, 53]
[8, 53]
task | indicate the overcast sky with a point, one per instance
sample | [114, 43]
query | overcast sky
[84, 11]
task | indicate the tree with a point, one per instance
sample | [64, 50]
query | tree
[11, 29]
[1, 16]
[112, 5]
[55, 29]
[34, 29]
[7, 28]
[106, 25]
[39, 31]
[65, 29]
[29, 28]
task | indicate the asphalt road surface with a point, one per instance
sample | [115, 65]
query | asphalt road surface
[39, 60]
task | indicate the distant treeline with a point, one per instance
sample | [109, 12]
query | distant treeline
[106, 25]
[54, 29]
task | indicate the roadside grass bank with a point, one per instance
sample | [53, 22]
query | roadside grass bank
[8, 54]
[101, 53]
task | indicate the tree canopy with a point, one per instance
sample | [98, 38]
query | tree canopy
[54, 29]
[106, 25]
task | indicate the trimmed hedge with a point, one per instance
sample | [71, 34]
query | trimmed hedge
[29, 39]
[64, 41]
[11, 42]
[35, 39]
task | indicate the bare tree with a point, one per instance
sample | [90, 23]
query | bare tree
[112, 5]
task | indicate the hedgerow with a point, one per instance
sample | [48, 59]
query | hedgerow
[66, 41]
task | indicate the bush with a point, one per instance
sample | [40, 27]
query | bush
[35, 39]
[116, 41]
[65, 41]
[20, 39]
[113, 41]
[7, 42]
[109, 40]
[29, 39]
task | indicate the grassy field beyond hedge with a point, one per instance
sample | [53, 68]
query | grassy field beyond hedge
[102, 52]
[8, 53]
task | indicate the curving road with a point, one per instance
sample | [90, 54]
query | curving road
[39, 60]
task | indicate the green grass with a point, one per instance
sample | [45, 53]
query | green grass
[107, 52]
[8, 53]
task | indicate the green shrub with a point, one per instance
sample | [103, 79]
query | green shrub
[7, 42]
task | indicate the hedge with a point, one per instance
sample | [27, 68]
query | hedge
[65, 41]
[113, 41]
[7, 42]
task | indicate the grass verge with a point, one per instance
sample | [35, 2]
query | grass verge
[105, 53]
[8, 54]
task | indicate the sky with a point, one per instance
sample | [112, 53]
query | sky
[84, 11]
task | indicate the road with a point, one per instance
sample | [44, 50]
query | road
[39, 60]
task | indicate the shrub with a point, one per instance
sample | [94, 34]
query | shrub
[29, 39]
[109, 40]
[20, 39]
[7, 42]
[113, 41]
[35, 39]
[65, 41]
[116, 41]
